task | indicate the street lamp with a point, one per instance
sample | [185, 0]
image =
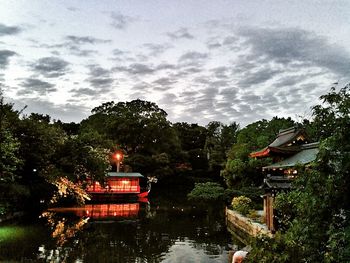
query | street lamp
[118, 156]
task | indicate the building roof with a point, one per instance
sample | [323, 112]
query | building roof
[128, 175]
[283, 144]
[307, 154]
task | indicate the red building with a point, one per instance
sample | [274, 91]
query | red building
[291, 148]
[117, 184]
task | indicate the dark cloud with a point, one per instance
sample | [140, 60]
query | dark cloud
[5, 57]
[193, 55]
[78, 40]
[75, 45]
[101, 82]
[290, 80]
[288, 45]
[213, 43]
[97, 71]
[135, 69]
[120, 21]
[156, 49]
[99, 79]
[74, 50]
[257, 77]
[9, 30]
[182, 33]
[221, 72]
[193, 58]
[84, 91]
[165, 81]
[38, 86]
[229, 93]
[143, 88]
[50, 67]
[165, 66]
[118, 52]
[230, 41]
[72, 8]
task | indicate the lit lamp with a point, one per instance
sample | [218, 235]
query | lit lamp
[118, 156]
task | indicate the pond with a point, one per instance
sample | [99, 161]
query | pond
[148, 231]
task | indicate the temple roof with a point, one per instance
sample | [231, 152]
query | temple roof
[284, 143]
[129, 175]
[307, 154]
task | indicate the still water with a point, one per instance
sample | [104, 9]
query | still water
[147, 231]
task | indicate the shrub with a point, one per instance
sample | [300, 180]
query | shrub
[242, 204]
[209, 191]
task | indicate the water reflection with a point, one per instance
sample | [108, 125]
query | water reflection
[103, 211]
[133, 232]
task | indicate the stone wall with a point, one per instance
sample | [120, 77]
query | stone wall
[245, 224]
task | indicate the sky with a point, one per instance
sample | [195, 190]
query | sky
[200, 61]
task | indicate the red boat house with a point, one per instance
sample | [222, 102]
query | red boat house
[117, 183]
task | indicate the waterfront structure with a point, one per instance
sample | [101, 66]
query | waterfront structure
[290, 149]
[117, 184]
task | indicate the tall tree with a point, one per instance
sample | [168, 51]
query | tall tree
[9, 144]
[139, 127]
[220, 138]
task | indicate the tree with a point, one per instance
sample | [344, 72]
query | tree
[192, 138]
[220, 138]
[240, 170]
[139, 127]
[9, 145]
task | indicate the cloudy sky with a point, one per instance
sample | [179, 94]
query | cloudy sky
[200, 61]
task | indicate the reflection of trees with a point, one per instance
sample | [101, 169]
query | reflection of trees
[63, 229]
[142, 239]
[139, 240]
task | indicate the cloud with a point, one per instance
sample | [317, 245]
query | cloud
[156, 49]
[135, 69]
[257, 77]
[50, 67]
[120, 21]
[73, 9]
[36, 85]
[5, 57]
[181, 33]
[77, 51]
[78, 40]
[75, 45]
[66, 112]
[289, 45]
[99, 79]
[192, 58]
[9, 30]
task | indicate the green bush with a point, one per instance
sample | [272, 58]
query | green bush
[242, 204]
[209, 191]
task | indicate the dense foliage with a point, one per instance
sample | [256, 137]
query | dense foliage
[240, 170]
[207, 192]
[242, 204]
